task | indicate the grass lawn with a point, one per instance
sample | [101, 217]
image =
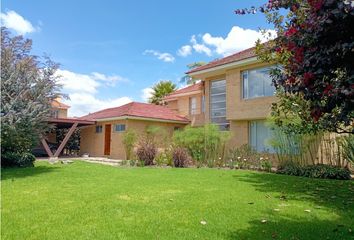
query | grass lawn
[91, 201]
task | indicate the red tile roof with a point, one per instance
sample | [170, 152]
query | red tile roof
[136, 109]
[248, 53]
[191, 88]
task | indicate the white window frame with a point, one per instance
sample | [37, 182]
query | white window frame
[119, 129]
[193, 105]
[225, 126]
[245, 84]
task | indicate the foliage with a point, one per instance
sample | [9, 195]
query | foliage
[206, 145]
[316, 171]
[146, 151]
[245, 157]
[15, 159]
[347, 145]
[28, 85]
[129, 140]
[180, 157]
[73, 144]
[317, 70]
[161, 90]
[188, 79]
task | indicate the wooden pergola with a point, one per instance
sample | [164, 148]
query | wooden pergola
[69, 123]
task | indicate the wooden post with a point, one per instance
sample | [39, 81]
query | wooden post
[65, 140]
[46, 147]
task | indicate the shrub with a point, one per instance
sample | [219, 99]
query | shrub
[206, 145]
[180, 157]
[347, 144]
[164, 158]
[13, 159]
[266, 165]
[316, 171]
[146, 152]
[129, 140]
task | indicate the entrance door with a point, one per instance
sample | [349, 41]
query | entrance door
[107, 139]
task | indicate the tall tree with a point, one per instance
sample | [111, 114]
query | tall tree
[161, 90]
[315, 48]
[28, 85]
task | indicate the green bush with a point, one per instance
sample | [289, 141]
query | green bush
[11, 159]
[347, 144]
[206, 145]
[316, 171]
[180, 157]
[129, 140]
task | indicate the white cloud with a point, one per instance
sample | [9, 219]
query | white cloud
[237, 39]
[184, 51]
[16, 22]
[82, 90]
[200, 48]
[146, 93]
[166, 57]
[85, 103]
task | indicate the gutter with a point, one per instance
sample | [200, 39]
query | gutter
[140, 118]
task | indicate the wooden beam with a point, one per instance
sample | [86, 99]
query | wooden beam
[65, 140]
[46, 147]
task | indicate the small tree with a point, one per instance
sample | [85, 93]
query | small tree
[161, 90]
[315, 49]
[28, 85]
[129, 140]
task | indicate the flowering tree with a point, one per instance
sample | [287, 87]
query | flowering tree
[315, 49]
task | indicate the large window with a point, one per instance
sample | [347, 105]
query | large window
[257, 83]
[260, 135]
[193, 105]
[218, 104]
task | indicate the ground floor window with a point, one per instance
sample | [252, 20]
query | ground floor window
[260, 134]
[99, 129]
[119, 127]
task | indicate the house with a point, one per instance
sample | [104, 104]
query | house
[104, 139]
[59, 109]
[235, 93]
[188, 102]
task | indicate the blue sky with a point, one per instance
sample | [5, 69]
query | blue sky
[111, 52]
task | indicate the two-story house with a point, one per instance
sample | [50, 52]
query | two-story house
[235, 93]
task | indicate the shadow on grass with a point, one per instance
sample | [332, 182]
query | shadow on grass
[334, 195]
[13, 173]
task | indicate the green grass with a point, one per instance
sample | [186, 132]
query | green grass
[91, 201]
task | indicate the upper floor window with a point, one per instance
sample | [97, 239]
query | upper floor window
[55, 113]
[119, 127]
[99, 129]
[193, 105]
[218, 104]
[257, 83]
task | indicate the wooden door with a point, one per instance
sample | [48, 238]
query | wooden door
[107, 139]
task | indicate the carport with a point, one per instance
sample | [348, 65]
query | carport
[69, 123]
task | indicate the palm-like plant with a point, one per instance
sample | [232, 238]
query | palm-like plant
[160, 90]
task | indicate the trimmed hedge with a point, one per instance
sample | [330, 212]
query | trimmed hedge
[316, 171]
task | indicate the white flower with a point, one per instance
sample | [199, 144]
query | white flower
[238, 158]
[245, 159]
[261, 158]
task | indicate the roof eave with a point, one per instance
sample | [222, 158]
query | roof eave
[239, 63]
[127, 117]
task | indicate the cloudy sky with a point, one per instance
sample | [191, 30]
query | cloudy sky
[111, 52]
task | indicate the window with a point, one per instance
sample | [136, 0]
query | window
[260, 134]
[120, 127]
[177, 128]
[193, 105]
[99, 129]
[55, 113]
[203, 104]
[218, 104]
[257, 83]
